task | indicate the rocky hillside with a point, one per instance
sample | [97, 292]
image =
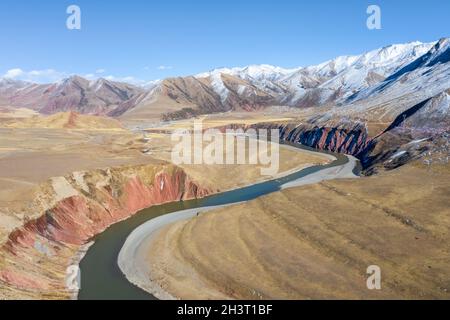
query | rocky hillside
[98, 97]
[68, 211]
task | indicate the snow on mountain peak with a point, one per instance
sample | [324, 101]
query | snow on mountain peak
[251, 72]
[375, 65]
[394, 56]
[265, 71]
[345, 79]
[332, 67]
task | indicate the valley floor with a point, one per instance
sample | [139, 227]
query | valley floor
[59, 186]
[48, 170]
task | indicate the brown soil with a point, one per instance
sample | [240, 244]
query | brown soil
[316, 242]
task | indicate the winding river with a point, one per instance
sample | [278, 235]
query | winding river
[101, 277]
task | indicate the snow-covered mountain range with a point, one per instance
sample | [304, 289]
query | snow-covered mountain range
[384, 81]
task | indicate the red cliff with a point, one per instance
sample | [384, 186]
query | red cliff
[36, 256]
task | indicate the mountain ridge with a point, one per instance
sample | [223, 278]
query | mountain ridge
[368, 79]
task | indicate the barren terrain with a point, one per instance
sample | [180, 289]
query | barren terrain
[316, 242]
[50, 165]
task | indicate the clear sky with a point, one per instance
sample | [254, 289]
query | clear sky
[145, 40]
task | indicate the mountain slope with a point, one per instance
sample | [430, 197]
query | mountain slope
[421, 79]
[178, 98]
[381, 83]
[72, 94]
[362, 72]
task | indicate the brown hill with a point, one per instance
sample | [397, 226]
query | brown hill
[179, 98]
[72, 94]
[67, 120]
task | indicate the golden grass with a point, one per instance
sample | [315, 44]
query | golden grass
[316, 242]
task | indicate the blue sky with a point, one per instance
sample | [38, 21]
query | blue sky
[146, 40]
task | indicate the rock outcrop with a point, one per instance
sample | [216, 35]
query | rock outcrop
[72, 210]
[410, 135]
[352, 138]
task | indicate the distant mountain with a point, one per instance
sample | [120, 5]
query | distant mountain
[176, 98]
[71, 94]
[384, 81]
[8, 88]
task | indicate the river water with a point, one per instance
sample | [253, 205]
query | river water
[101, 277]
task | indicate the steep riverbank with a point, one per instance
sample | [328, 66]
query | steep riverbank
[375, 144]
[101, 277]
[76, 207]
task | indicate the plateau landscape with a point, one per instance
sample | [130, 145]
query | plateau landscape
[86, 168]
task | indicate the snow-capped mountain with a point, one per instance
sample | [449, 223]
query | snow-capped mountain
[335, 80]
[252, 72]
[426, 76]
[327, 83]
[264, 77]
[404, 73]
[374, 66]
[312, 76]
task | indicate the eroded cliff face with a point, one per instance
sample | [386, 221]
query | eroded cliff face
[73, 209]
[352, 138]
[386, 149]
[345, 139]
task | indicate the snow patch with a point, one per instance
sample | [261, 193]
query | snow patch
[418, 141]
[241, 89]
[398, 154]
[219, 87]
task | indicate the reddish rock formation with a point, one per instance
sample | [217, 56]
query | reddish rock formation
[39, 252]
